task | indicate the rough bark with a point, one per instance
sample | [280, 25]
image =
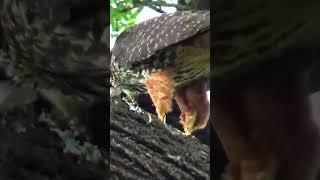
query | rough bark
[57, 46]
[31, 150]
[142, 150]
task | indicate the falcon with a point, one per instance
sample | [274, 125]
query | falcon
[167, 57]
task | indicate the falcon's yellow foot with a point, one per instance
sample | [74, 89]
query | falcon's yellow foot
[194, 105]
[161, 111]
[163, 118]
[187, 120]
[161, 115]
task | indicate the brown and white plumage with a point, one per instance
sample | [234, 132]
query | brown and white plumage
[167, 57]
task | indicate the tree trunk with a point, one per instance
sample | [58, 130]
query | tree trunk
[142, 150]
[31, 150]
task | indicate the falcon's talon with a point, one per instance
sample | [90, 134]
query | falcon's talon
[164, 119]
[167, 126]
[188, 125]
[150, 119]
[187, 134]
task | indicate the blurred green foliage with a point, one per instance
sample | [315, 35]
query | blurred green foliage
[123, 13]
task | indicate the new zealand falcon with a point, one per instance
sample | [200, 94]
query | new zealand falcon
[167, 57]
